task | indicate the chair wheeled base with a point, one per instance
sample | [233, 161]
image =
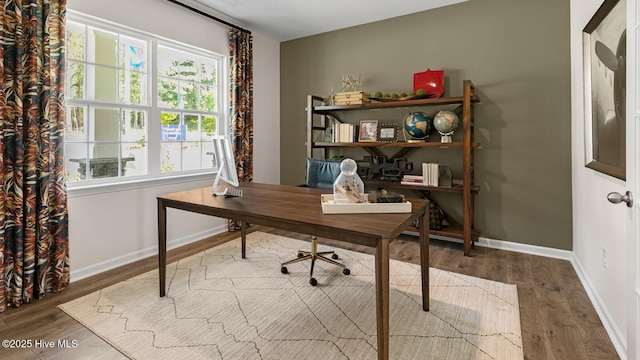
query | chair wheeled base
[314, 255]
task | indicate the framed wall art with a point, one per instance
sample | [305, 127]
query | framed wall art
[388, 132]
[368, 131]
[604, 55]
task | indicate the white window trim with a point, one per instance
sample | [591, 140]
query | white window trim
[135, 182]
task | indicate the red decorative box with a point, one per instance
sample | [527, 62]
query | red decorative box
[432, 81]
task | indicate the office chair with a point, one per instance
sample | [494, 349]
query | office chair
[321, 174]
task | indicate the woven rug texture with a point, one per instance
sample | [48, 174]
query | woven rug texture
[220, 306]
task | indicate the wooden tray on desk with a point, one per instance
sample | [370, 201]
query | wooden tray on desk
[330, 207]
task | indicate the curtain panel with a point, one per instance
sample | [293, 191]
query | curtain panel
[34, 248]
[241, 104]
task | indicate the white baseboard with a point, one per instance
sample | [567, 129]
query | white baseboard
[617, 338]
[516, 247]
[525, 248]
[79, 274]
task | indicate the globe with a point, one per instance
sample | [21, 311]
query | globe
[418, 125]
[446, 122]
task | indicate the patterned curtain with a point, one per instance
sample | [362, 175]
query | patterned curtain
[241, 103]
[34, 247]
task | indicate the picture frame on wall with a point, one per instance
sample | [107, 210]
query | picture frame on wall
[388, 132]
[368, 131]
[604, 60]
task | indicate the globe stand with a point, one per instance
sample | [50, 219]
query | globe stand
[445, 138]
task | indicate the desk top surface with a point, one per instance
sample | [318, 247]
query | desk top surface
[297, 209]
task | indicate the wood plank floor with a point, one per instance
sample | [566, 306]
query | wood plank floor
[558, 320]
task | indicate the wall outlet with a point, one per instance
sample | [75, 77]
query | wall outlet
[604, 258]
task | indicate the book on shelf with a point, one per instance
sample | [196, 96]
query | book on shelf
[413, 183]
[345, 133]
[334, 132]
[330, 128]
[412, 177]
[412, 180]
[430, 174]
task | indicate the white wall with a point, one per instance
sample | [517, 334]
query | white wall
[111, 228]
[597, 224]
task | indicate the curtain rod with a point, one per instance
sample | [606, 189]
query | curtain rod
[210, 16]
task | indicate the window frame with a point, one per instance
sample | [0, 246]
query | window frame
[153, 177]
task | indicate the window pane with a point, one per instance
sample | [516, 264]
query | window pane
[167, 93]
[167, 118]
[192, 123]
[75, 130]
[208, 127]
[75, 161]
[170, 127]
[170, 157]
[75, 41]
[75, 80]
[134, 126]
[191, 156]
[207, 155]
[133, 54]
[106, 127]
[136, 159]
[208, 98]
[167, 61]
[105, 83]
[105, 161]
[104, 51]
[189, 95]
[133, 87]
[188, 67]
[208, 71]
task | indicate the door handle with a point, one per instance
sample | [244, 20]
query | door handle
[616, 198]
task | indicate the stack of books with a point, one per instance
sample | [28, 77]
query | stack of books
[345, 133]
[429, 177]
[430, 173]
[412, 180]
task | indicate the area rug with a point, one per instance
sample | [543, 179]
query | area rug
[220, 306]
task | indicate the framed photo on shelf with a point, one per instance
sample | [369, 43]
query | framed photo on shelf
[368, 131]
[388, 132]
[604, 60]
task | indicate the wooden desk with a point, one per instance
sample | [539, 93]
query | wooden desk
[298, 209]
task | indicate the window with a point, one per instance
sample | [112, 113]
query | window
[137, 106]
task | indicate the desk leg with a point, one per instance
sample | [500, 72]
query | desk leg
[382, 298]
[424, 256]
[243, 237]
[162, 246]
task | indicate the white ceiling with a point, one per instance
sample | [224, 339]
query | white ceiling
[284, 20]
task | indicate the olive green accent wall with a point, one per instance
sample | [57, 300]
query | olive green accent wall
[516, 52]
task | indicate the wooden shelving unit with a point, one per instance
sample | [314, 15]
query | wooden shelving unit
[458, 230]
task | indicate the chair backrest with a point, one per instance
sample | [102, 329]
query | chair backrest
[322, 174]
